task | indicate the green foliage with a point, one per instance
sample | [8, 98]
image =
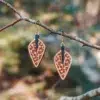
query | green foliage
[70, 9]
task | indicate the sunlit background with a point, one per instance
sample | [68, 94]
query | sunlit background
[19, 79]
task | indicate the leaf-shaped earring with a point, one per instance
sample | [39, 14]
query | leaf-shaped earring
[62, 61]
[36, 49]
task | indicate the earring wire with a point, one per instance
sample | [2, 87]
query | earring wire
[62, 38]
[37, 29]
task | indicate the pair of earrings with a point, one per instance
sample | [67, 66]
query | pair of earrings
[62, 59]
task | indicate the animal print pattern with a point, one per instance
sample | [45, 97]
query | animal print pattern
[36, 54]
[62, 68]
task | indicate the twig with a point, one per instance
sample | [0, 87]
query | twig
[11, 24]
[85, 43]
[86, 96]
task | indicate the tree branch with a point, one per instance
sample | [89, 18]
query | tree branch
[11, 24]
[85, 43]
[86, 96]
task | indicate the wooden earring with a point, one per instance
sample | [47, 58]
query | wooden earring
[36, 49]
[62, 61]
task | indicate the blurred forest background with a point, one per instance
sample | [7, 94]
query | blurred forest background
[19, 79]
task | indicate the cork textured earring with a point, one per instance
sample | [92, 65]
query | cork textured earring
[36, 49]
[62, 61]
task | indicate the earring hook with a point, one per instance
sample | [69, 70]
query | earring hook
[37, 29]
[62, 38]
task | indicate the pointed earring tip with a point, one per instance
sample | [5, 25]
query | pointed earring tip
[36, 66]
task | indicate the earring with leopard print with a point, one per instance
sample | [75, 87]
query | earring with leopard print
[36, 49]
[62, 61]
